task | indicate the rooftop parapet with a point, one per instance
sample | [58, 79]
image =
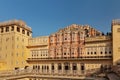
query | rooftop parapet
[43, 40]
[97, 38]
[116, 22]
[15, 22]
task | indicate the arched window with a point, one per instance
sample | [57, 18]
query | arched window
[23, 31]
[18, 29]
[52, 66]
[59, 66]
[2, 29]
[66, 66]
[7, 29]
[74, 66]
[12, 28]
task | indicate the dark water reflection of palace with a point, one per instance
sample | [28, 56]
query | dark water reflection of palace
[45, 79]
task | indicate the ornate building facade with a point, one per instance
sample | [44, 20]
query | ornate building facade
[70, 42]
[74, 50]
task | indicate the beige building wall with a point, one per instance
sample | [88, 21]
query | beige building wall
[38, 47]
[14, 39]
[116, 41]
[98, 48]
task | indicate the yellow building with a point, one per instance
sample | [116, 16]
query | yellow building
[14, 37]
[98, 48]
[38, 47]
[116, 41]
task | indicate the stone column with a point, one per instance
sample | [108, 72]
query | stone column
[0, 30]
[21, 30]
[71, 71]
[4, 29]
[9, 28]
[55, 68]
[62, 64]
[78, 68]
[15, 28]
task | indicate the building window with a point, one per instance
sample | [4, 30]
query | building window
[23, 31]
[52, 66]
[28, 33]
[51, 40]
[18, 29]
[88, 53]
[105, 52]
[2, 29]
[65, 38]
[68, 53]
[91, 52]
[94, 52]
[74, 66]
[109, 52]
[12, 28]
[66, 66]
[118, 30]
[37, 55]
[59, 66]
[7, 29]
[82, 67]
[32, 55]
[64, 53]
[47, 67]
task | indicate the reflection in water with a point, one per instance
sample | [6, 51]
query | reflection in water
[43, 79]
[40, 79]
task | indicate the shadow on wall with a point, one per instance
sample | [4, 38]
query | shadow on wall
[116, 68]
[99, 72]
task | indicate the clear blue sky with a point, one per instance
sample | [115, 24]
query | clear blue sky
[47, 16]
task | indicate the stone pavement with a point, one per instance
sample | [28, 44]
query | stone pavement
[113, 76]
